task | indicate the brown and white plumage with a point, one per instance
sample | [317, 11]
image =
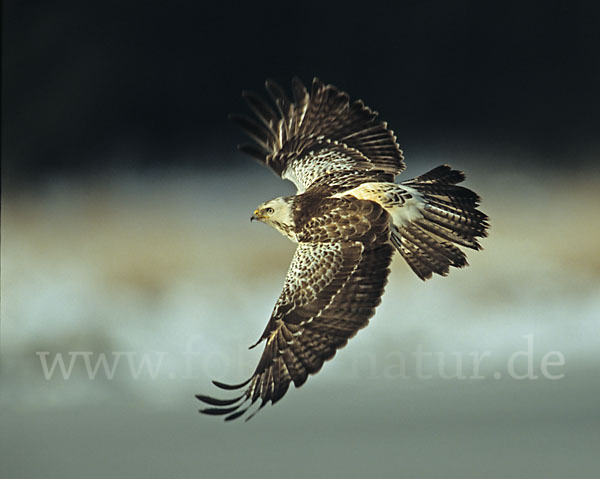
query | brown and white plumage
[347, 218]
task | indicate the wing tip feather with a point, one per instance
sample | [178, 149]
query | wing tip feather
[230, 387]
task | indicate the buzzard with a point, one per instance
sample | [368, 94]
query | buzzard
[347, 218]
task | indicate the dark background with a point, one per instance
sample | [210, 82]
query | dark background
[95, 86]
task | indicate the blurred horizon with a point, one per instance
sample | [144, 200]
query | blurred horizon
[126, 250]
[150, 266]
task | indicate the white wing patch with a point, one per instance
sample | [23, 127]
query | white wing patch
[304, 171]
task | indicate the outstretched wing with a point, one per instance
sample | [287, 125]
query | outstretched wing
[320, 138]
[330, 292]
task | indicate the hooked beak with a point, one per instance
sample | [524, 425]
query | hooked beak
[255, 217]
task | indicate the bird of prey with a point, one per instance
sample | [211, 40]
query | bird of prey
[347, 218]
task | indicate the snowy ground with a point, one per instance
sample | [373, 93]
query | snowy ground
[168, 270]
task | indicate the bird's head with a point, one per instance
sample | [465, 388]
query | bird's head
[276, 213]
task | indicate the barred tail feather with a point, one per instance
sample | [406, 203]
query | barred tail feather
[449, 217]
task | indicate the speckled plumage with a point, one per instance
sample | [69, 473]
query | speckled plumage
[347, 218]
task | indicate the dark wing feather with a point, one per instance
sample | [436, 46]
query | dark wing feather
[316, 124]
[331, 290]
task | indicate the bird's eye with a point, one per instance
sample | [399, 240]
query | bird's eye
[269, 211]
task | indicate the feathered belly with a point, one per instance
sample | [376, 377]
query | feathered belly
[404, 204]
[431, 216]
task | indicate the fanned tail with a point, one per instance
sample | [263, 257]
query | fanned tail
[448, 217]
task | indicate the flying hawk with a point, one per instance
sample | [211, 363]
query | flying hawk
[347, 218]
